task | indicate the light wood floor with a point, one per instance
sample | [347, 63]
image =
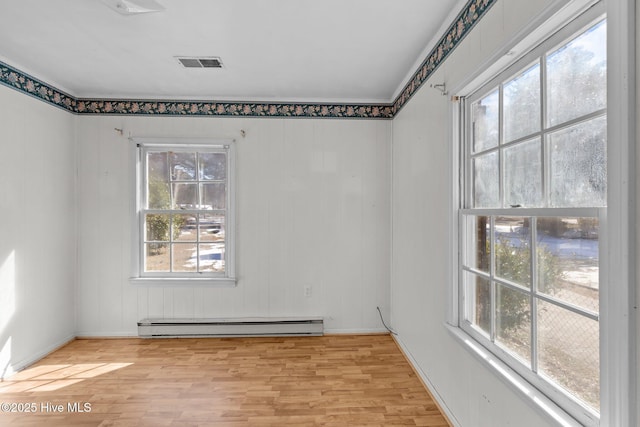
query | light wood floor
[326, 381]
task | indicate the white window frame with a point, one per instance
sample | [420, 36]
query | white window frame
[618, 361]
[139, 146]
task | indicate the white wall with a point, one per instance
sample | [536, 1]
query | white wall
[313, 210]
[637, 231]
[37, 229]
[421, 241]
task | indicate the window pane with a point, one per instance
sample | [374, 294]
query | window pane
[158, 196]
[478, 300]
[157, 166]
[485, 120]
[211, 228]
[212, 257]
[157, 227]
[185, 196]
[568, 351]
[156, 257]
[578, 163]
[513, 249]
[523, 174]
[568, 260]
[577, 76]
[184, 228]
[478, 252]
[212, 166]
[183, 166]
[185, 257]
[521, 97]
[214, 196]
[485, 181]
[513, 322]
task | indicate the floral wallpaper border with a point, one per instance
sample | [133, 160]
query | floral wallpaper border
[461, 26]
[463, 23]
[22, 82]
[236, 109]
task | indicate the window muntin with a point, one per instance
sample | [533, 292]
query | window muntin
[185, 198]
[534, 192]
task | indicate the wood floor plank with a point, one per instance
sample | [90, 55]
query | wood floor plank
[303, 381]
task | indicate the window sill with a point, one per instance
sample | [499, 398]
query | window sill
[184, 281]
[530, 394]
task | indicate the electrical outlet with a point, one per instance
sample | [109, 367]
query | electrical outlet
[307, 291]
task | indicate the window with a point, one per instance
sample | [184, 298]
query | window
[185, 211]
[534, 194]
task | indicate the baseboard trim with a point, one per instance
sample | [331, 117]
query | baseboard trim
[23, 364]
[442, 406]
[366, 333]
[106, 335]
[118, 335]
[329, 331]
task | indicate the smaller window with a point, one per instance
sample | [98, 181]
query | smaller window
[185, 211]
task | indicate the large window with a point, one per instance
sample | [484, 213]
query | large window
[534, 195]
[185, 210]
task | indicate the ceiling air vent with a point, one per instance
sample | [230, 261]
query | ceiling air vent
[201, 62]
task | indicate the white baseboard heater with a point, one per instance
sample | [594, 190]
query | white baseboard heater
[231, 327]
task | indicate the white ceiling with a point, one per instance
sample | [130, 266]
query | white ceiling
[272, 50]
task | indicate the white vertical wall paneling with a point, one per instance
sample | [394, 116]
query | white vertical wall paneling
[304, 219]
[130, 298]
[183, 302]
[198, 305]
[253, 216]
[375, 238]
[344, 208]
[321, 166]
[155, 303]
[278, 225]
[300, 209]
[352, 224]
[87, 296]
[329, 162]
[142, 301]
[37, 244]
[112, 173]
[637, 243]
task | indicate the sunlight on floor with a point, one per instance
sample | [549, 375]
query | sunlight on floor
[54, 377]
